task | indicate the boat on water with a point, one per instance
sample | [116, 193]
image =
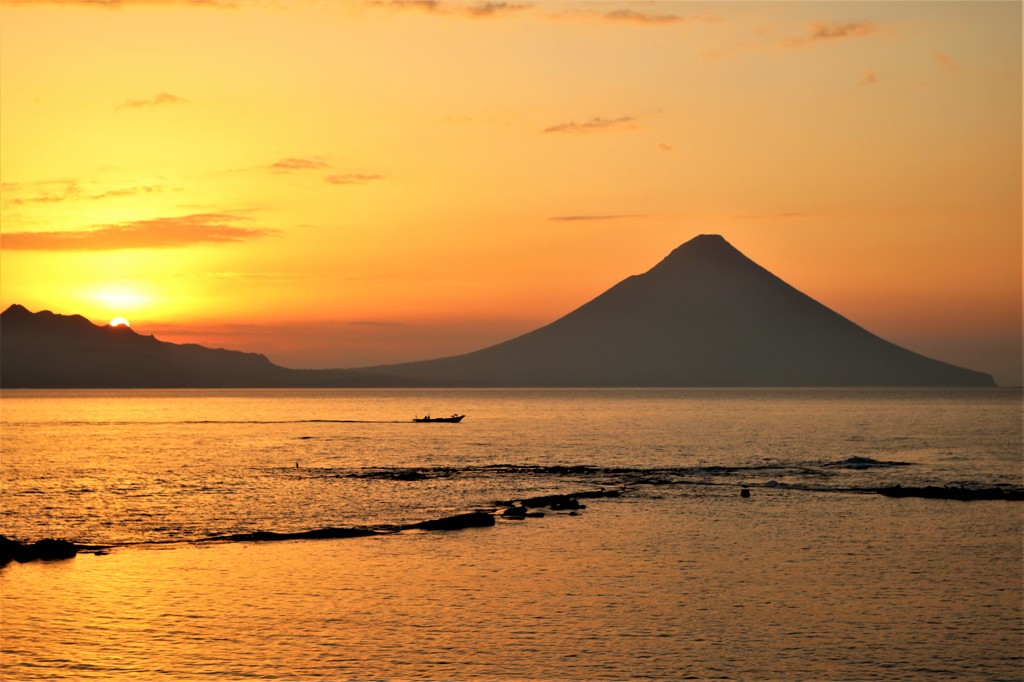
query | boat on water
[454, 419]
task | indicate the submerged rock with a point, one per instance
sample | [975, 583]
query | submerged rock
[520, 512]
[316, 534]
[561, 499]
[409, 476]
[952, 493]
[857, 462]
[457, 522]
[515, 512]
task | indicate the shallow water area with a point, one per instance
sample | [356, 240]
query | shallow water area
[812, 577]
[778, 586]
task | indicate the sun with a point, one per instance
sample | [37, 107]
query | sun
[119, 322]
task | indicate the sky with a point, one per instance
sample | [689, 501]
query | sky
[349, 183]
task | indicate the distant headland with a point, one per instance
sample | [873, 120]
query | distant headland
[706, 315]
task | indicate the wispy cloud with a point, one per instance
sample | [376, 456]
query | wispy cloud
[480, 10]
[665, 147]
[422, 5]
[163, 99]
[117, 4]
[56, 191]
[156, 233]
[630, 16]
[596, 124]
[352, 178]
[575, 218]
[298, 164]
[490, 9]
[820, 32]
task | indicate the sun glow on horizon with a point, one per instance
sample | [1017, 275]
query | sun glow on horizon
[119, 322]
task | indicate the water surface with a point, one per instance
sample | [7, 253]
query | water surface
[812, 577]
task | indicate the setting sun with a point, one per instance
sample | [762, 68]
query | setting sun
[119, 322]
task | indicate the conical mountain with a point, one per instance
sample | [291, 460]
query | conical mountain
[706, 315]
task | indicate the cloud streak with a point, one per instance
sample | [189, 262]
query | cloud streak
[156, 233]
[490, 9]
[298, 164]
[594, 125]
[480, 10]
[352, 178]
[630, 16]
[57, 191]
[821, 32]
[118, 4]
[161, 100]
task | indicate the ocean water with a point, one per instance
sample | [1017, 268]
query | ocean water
[814, 576]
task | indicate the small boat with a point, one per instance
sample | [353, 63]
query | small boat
[454, 419]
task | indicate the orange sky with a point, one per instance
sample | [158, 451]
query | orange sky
[348, 183]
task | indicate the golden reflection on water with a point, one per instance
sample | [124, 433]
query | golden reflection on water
[781, 586]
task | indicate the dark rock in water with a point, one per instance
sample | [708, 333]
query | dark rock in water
[457, 522]
[516, 512]
[50, 549]
[744, 493]
[865, 463]
[42, 550]
[411, 475]
[952, 493]
[449, 523]
[565, 505]
[561, 499]
[10, 550]
[590, 494]
[317, 534]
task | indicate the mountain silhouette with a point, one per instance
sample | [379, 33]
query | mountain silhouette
[706, 315]
[45, 350]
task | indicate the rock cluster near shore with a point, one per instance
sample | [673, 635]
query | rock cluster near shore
[49, 549]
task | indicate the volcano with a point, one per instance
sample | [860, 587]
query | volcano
[706, 315]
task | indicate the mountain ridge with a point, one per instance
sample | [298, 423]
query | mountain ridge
[705, 315]
[49, 350]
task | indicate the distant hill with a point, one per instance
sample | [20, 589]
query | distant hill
[706, 315]
[45, 350]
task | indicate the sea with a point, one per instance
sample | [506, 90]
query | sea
[809, 574]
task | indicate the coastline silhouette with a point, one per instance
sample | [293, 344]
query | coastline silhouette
[706, 315]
